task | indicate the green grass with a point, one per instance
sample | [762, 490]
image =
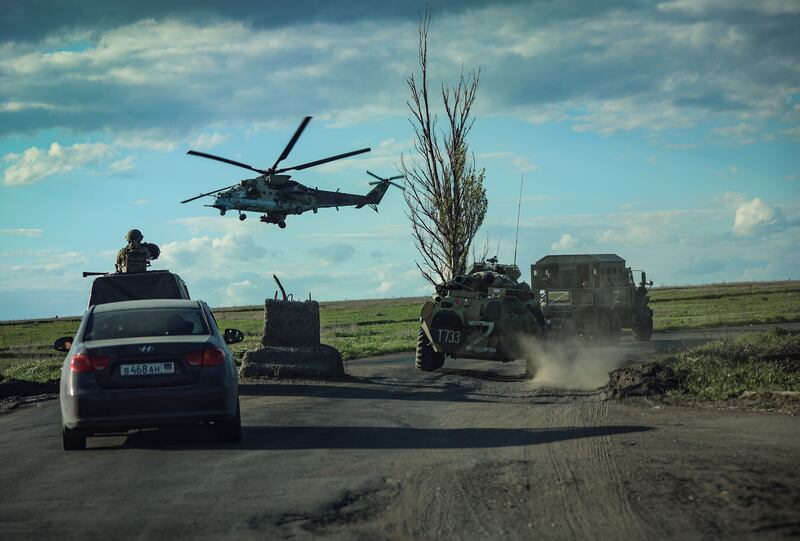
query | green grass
[725, 305]
[758, 362]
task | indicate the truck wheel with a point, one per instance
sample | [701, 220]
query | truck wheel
[614, 330]
[645, 330]
[72, 440]
[426, 358]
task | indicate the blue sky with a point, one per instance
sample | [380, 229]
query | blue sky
[667, 132]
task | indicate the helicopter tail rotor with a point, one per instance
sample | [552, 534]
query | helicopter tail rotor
[387, 180]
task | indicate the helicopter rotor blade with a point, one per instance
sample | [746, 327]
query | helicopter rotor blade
[209, 193]
[292, 141]
[225, 160]
[324, 160]
[396, 177]
[387, 181]
[370, 173]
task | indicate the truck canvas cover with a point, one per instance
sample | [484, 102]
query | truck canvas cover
[137, 286]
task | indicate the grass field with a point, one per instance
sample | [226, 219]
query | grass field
[374, 327]
[758, 363]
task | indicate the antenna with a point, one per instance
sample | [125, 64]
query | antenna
[497, 253]
[519, 207]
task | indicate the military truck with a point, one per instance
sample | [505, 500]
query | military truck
[483, 314]
[158, 284]
[593, 296]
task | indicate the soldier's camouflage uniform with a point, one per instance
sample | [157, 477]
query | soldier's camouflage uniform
[136, 256]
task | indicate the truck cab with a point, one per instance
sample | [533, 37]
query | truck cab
[592, 295]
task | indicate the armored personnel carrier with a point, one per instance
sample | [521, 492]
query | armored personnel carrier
[593, 296]
[483, 314]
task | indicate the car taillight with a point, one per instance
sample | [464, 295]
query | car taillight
[80, 363]
[99, 362]
[195, 358]
[206, 357]
[213, 357]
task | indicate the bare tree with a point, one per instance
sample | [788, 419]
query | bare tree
[445, 194]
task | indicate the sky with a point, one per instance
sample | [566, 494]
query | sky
[666, 132]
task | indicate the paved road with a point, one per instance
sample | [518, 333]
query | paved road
[472, 452]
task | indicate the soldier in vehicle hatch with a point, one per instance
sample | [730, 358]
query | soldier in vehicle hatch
[136, 256]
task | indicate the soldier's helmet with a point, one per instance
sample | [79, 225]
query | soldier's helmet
[134, 234]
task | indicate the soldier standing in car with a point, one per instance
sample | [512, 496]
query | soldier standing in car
[136, 256]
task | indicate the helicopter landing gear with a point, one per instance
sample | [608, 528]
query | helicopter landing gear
[282, 224]
[242, 217]
[222, 212]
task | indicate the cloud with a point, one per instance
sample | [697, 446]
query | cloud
[605, 68]
[522, 164]
[566, 242]
[333, 254]
[207, 257]
[124, 165]
[753, 216]
[633, 234]
[242, 293]
[21, 232]
[34, 164]
[206, 141]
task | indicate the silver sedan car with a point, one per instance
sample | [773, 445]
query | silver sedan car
[148, 363]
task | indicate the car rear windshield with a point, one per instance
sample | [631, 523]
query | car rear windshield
[145, 322]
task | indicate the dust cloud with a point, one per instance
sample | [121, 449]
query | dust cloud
[571, 364]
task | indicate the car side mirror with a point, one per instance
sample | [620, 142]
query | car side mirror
[63, 344]
[233, 336]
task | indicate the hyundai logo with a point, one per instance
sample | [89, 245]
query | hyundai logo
[146, 349]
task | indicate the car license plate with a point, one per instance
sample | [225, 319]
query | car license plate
[147, 369]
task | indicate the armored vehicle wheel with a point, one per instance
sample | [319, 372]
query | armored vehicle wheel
[426, 358]
[530, 369]
[644, 331]
[72, 440]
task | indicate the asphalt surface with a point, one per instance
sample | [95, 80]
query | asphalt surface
[474, 451]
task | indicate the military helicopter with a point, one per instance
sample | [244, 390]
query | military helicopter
[276, 196]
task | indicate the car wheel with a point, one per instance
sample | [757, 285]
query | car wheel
[230, 430]
[72, 440]
[426, 359]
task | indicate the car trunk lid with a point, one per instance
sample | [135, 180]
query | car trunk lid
[159, 361]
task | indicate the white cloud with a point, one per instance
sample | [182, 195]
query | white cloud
[522, 164]
[634, 234]
[566, 242]
[21, 232]
[206, 141]
[242, 293]
[34, 164]
[124, 165]
[602, 68]
[754, 215]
